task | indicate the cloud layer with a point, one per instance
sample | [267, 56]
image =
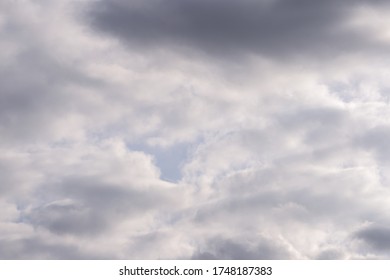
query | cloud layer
[194, 129]
[276, 29]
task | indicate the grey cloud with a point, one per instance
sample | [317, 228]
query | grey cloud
[377, 237]
[35, 95]
[302, 197]
[62, 219]
[230, 28]
[38, 248]
[269, 165]
[319, 124]
[317, 116]
[225, 249]
[87, 207]
[331, 254]
[377, 140]
[17, 176]
[40, 83]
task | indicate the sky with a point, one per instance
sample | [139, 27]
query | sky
[194, 129]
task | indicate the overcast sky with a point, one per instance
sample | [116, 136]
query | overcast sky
[194, 129]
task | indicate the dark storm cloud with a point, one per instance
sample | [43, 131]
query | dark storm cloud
[378, 237]
[221, 249]
[220, 27]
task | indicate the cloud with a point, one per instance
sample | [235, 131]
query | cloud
[376, 237]
[227, 29]
[86, 199]
[36, 248]
[376, 139]
[218, 249]
[193, 130]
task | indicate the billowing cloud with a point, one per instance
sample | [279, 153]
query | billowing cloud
[194, 130]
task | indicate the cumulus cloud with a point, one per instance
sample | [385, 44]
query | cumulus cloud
[194, 130]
